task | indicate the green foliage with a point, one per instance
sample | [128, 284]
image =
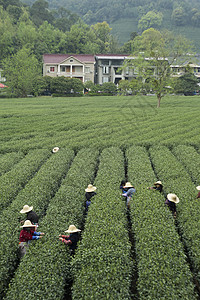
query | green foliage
[179, 16]
[102, 266]
[38, 192]
[39, 13]
[176, 180]
[154, 53]
[163, 271]
[151, 19]
[8, 160]
[52, 267]
[21, 71]
[63, 85]
[14, 180]
[186, 84]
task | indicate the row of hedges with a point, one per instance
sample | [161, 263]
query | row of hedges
[14, 180]
[103, 265]
[45, 270]
[190, 159]
[177, 180]
[8, 160]
[163, 272]
[37, 193]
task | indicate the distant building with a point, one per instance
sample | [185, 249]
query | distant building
[101, 68]
[74, 66]
[108, 66]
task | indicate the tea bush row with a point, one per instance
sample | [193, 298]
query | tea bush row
[45, 271]
[8, 160]
[163, 272]
[190, 159]
[103, 265]
[38, 192]
[14, 180]
[176, 180]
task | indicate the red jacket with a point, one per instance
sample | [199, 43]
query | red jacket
[26, 236]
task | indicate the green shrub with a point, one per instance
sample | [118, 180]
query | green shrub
[103, 265]
[163, 272]
[14, 180]
[37, 192]
[8, 160]
[51, 271]
[177, 180]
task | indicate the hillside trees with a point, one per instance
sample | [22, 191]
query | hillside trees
[186, 84]
[39, 12]
[20, 71]
[153, 54]
[151, 19]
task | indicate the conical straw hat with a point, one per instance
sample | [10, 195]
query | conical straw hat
[72, 229]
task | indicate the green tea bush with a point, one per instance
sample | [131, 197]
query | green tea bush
[45, 271]
[14, 180]
[190, 159]
[163, 272]
[8, 160]
[103, 265]
[38, 192]
[177, 180]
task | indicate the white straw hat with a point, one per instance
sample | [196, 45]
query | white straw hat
[198, 187]
[90, 188]
[173, 198]
[55, 149]
[26, 209]
[28, 223]
[72, 229]
[158, 182]
[128, 184]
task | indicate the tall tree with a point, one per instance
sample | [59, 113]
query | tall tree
[21, 70]
[39, 12]
[151, 19]
[7, 33]
[154, 54]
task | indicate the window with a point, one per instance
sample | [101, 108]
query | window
[87, 69]
[52, 69]
[198, 70]
[105, 62]
[105, 79]
[105, 70]
[62, 69]
[117, 62]
[71, 60]
[117, 71]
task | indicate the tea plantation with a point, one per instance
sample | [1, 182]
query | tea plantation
[143, 253]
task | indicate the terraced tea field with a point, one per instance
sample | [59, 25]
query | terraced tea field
[143, 253]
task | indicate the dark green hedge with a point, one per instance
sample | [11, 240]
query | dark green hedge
[163, 272]
[38, 192]
[45, 270]
[103, 265]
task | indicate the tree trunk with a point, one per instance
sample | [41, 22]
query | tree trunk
[159, 99]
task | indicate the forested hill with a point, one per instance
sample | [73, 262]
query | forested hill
[127, 16]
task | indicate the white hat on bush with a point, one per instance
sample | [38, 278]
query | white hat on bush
[72, 229]
[28, 223]
[90, 188]
[26, 209]
[198, 187]
[55, 149]
[173, 198]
